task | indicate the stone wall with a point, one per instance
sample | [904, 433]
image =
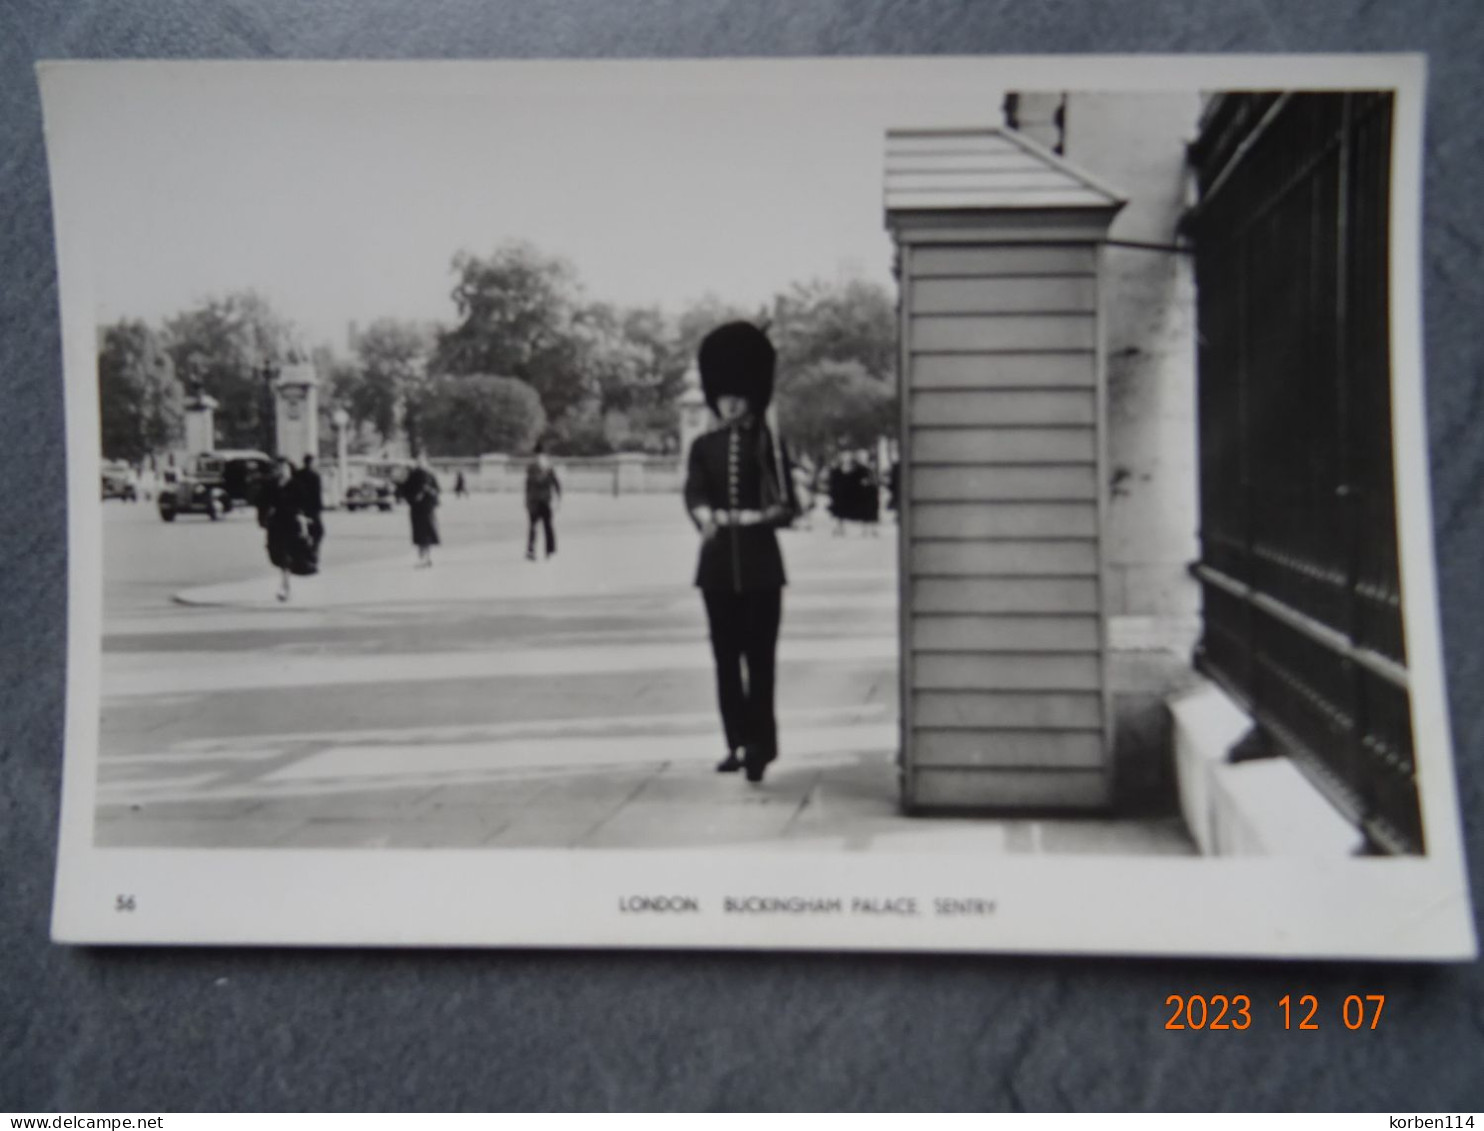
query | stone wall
[1136, 143]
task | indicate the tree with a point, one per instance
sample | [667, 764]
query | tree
[834, 403]
[655, 427]
[391, 368]
[837, 364]
[614, 366]
[222, 346]
[634, 368]
[475, 413]
[579, 433]
[849, 321]
[662, 360]
[517, 311]
[140, 403]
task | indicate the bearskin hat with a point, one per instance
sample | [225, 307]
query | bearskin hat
[737, 360]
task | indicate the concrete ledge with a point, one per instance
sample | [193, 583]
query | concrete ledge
[1259, 808]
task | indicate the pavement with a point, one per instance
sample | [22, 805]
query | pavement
[495, 702]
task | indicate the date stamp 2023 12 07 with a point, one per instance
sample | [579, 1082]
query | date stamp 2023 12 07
[1303, 1012]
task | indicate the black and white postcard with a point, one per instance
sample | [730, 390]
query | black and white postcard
[924, 504]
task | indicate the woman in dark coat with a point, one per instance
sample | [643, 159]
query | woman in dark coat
[839, 491]
[420, 489]
[866, 494]
[281, 512]
[738, 492]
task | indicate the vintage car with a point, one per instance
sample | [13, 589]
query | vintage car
[377, 485]
[371, 491]
[118, 481]
[242, 472]
[213, 483]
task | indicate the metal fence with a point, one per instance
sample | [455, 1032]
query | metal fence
[1299, 571]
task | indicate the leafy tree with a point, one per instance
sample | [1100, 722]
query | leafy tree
[656, 425]
[517, 311]
[848, 321]
[631, 360]
[662, 361]
[476, 413]
[579, 433]
[834, 403]
[615, 367]
[391, 368]
[222, 347]
[139, 400]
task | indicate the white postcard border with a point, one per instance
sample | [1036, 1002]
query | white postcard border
[1361, 908]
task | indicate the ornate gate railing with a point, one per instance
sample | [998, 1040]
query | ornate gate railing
[1299, 570]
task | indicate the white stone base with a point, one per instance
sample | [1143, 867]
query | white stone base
[1264, 807]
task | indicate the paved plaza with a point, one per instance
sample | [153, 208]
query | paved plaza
[495, 702]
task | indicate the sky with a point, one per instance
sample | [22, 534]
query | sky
[341, 192]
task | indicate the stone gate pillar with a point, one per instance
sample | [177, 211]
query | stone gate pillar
[695, 416]
[200, 423]
[296, 401]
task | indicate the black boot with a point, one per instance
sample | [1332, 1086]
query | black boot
[756, 758]
[730, 764]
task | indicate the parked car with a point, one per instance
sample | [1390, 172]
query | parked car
[213, 483]
[242, 471]
[371, 491]
[118, 481]
[378, 485]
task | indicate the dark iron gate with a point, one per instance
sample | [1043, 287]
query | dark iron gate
[1299, 570]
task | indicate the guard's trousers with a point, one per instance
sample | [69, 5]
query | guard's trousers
[744, 633]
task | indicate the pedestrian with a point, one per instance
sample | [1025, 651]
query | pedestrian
[312, 500]
[543, 491]
[738, 492]
[281, 514]
[866, 495]
[894, 487]
[420, 490]
[805, 496]
[841, 481]
[460, 488]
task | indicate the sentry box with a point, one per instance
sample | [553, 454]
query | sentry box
[1005, 690]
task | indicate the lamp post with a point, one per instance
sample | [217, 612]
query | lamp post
[341, 419]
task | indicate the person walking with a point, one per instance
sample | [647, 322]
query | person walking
[460, 488]
[842, 473]
[281, 514]
[543, 490]
[312, 500]
[867, 495]
[805, 495]
[421, 491]
[738, 493]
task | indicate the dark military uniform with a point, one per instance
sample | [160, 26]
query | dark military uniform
[733, 476]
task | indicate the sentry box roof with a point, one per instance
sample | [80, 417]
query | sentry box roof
[984, 170]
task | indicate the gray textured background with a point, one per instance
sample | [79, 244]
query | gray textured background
[237, 1029]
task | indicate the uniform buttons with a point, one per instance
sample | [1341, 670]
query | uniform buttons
[732, 469]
